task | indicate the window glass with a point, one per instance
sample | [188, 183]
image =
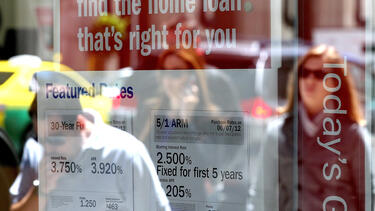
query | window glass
[187, 105]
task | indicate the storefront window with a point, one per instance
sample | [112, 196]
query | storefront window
[186, 105]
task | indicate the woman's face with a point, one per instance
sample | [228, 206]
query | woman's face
[174, 82]
[311, 87]
[179, 85]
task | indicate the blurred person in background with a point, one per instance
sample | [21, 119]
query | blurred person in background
[187, 87]
[32, 155]
[177, 90]
[331, 146]
[188, 83]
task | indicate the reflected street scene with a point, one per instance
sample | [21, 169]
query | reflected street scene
[187, 105]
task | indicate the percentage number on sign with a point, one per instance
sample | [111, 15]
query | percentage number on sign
[65, 167]
[178, 191]
[174, 158]
[106, 168]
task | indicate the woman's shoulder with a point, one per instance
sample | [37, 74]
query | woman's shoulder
[353, 129]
